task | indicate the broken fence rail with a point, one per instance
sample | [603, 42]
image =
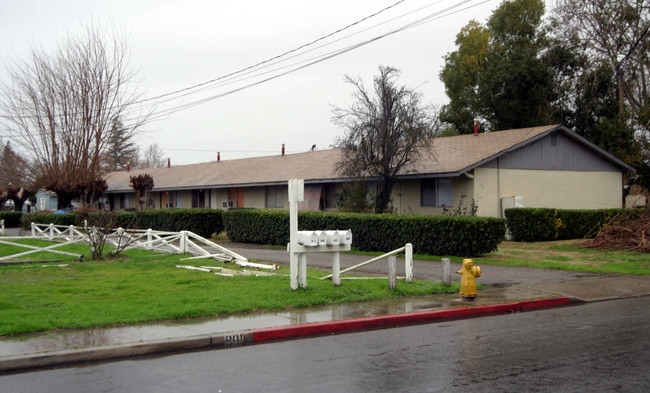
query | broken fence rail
[408, 262]
[169, 242]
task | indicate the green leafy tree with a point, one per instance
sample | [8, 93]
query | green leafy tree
[498, 74]
[461, 75]
[517, 86]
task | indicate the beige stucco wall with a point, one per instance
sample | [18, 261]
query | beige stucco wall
[406, 196]
[547, 188]
[218, 196]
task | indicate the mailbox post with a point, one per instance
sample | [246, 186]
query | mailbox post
[296, 194]
[303, 242]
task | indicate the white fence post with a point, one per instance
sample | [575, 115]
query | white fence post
[71, 230]
[446, 271]
[2, 227]
[183, 242]
[31, 225]
[408, 267]
[392, 272]
[51, 231]
[149, 237]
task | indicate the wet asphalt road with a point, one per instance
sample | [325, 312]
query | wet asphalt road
[596, 347]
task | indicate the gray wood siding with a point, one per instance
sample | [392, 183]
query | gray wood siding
[562, 154]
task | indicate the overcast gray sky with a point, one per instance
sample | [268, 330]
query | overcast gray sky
[180, 43]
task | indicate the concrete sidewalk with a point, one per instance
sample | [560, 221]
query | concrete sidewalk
[510, 290]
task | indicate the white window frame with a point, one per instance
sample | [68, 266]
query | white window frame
[441, 189]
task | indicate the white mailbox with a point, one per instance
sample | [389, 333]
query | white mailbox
[333, 238]
[322, 238]
[308, 238]
[346, 237]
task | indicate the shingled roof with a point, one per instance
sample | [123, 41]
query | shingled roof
[449, 156]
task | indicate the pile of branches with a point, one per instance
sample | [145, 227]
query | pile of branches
[629, 231]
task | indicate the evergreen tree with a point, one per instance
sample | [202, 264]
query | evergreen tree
[122, 149]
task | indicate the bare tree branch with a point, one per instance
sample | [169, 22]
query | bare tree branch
[384, 131]
[59, 108]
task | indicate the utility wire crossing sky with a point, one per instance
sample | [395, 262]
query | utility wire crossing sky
[244, 78]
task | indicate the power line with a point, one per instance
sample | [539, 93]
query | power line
[272, 58]
[453, 9]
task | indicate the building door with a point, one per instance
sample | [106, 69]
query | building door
[236, 195]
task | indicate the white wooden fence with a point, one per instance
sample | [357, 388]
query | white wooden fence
[169, 242]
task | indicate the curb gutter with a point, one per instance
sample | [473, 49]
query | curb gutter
[257, 336]
[387, 321]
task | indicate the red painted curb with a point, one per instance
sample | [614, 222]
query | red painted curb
[385, 321]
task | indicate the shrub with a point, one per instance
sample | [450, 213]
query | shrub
[540, 224]
[50, 218]
[12, 219]
[203, 222]
[436, 235]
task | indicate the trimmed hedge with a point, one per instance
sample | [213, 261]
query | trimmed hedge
[540, 224]
[203, 222]
[50, 218]
[12, 219]
[435, 235]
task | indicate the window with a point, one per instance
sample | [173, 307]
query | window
[172, 199]
[198, 199]
[124, 201]
[436, 192]
[328, 197]
[275, 196]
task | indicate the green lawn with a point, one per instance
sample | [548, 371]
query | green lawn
[561, 255]
[568, 255]
[145, 286]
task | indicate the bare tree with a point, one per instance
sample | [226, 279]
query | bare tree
[153, 157]
[59, 108]
[383, 132]
[103, 227]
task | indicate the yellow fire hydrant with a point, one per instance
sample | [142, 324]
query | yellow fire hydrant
[467, 279]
